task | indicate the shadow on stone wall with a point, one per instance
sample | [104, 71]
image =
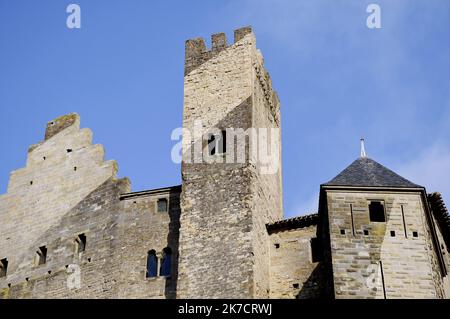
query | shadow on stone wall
[49, 280]
[173, 242]
[314, 286]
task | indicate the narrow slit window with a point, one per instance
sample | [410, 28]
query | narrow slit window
[81, 243]
[41, 255]
[162, 205]
[152, 264]
[217, 143]
[223, 142]
[212, 144]
[3, 267]
[376, 211]
[166, 262]
[316, 252]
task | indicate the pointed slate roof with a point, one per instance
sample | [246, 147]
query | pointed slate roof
[366, 172]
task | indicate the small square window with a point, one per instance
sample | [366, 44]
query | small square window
[296, 286]
[376, 211]
[277, 246]
[392, 233]
[342, 231]
[415, 234]
[162, 205]
[366, 232]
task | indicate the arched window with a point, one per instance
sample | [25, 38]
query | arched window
[152, 264]
[166, 262]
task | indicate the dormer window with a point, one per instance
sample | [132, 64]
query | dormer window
[376, 211]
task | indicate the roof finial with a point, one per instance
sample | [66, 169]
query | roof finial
[363, 149]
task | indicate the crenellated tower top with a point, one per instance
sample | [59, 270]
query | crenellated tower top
[196, 52]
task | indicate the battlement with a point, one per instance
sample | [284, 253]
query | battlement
[60, 123]
[196, 52]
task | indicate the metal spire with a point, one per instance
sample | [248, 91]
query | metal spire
[363, 149]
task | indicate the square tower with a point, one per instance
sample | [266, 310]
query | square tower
[380, 234]
[231, 188]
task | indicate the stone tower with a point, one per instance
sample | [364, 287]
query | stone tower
[225, 206]
[380, 235]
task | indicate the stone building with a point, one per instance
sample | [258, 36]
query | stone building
[71, 229]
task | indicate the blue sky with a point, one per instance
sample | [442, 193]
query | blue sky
[337, 81]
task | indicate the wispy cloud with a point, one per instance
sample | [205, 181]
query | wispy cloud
[431, 169]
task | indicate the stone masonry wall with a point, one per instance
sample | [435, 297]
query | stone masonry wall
[60, 172]
[266, 186]
[143, 228]
[119, 233]
[408, 263]
[293, 272]
[226, 203]
[446, 258]
[95, 217]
